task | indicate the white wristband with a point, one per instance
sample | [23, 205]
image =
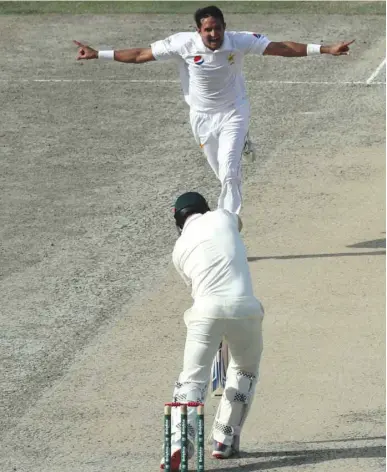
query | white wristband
[313, 49]
[106, 54]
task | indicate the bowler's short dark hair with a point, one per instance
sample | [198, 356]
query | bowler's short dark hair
[207, 12]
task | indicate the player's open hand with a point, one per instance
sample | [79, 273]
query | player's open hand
[85, 52]
[340, 49]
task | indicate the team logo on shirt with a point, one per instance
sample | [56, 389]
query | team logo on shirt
[257, 35]
[231, 58]
[198, 60]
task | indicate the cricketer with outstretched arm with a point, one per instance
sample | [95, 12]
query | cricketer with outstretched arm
[210, 63]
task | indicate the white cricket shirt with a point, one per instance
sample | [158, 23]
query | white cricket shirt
[211, 256]
[212, 81]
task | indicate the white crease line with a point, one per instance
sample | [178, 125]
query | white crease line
[167, 81]
[376, 72]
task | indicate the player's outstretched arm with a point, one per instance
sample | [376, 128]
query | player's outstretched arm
[291, 49]
[131, 56]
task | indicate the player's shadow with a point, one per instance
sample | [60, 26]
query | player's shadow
[312, 256]
[376, 243]
[294, 458]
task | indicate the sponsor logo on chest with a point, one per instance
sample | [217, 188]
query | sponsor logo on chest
[212, 60]
[198, 60]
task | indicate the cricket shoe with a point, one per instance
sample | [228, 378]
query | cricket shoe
[222, 451]
[176, 457]
[249, 150]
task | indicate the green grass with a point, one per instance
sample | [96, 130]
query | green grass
[187, 7]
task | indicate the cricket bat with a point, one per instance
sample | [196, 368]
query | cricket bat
[219, 370]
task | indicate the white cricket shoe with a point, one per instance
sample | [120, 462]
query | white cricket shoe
[176, 457]
[221, 451]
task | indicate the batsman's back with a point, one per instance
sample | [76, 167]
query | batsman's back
[211, 253]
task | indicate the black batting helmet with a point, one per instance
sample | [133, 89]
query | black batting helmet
[188, 204]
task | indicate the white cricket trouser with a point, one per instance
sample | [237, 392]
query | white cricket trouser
[222, 137]
[244, 338]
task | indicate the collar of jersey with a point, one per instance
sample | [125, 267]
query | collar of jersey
[226, 45]
[190, 219]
